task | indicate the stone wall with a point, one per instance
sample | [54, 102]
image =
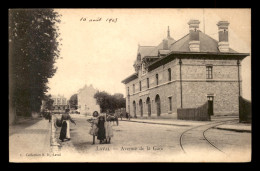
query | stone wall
[195, 87]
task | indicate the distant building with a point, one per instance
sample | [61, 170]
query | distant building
[186, 73]
[87, 104]
[60, 103]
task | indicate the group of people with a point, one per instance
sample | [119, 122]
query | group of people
[127, 115]
[101, 128]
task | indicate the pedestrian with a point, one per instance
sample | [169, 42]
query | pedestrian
[109, 131]
[50, 116]
[65, 126]
[101, 129]
[129, 116]
[94, 122]
[121, 115]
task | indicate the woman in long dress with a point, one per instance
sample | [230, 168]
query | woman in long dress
[65, 127]
[101, 129]
[63, 131]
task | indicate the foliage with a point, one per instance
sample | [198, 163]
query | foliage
[33, 50]
[73, 101]
[110, 102]
[48, 102]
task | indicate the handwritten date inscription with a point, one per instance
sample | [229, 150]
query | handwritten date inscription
[99, 19]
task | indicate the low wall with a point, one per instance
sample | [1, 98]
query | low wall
[196, 114]
[245, 110]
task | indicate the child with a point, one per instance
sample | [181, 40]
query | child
[94, 129]
[109, 131]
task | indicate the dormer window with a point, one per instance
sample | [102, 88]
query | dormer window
[144, 71]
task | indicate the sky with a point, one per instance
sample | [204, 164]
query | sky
[102, 52]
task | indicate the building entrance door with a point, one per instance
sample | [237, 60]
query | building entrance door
[141, 107]
[158, 104]
[210, 105]
[148, 102]
[134, 106]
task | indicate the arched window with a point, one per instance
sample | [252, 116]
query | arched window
[148, 102]
[134, 108]
[140, 85]
[157, 79]
[169, 74]
[158, 104]
[141, 107]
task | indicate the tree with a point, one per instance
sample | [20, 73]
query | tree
[119, 100]
[48, 102]
[33, 50]
[73, 101]
[103, 100]
[110, 102]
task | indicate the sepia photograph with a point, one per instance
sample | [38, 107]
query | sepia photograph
[99, 85]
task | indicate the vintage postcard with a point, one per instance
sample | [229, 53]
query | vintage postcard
[130, 85]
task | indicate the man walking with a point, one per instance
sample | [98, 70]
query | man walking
[49, 116]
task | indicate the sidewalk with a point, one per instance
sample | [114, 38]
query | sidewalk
[237, 127]
[173, 122]
[29, 141]
[234, 126]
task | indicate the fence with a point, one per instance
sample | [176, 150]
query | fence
[245, 113]
[196, 114]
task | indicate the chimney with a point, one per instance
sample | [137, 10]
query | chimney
[223, 44]
[165, 44]
[194, 43]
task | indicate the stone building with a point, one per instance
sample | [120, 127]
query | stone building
[186, 74]
[86, 102]
[60, 103]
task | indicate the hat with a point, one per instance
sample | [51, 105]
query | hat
[95, 114]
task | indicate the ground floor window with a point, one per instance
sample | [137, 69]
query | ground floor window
[170, 103]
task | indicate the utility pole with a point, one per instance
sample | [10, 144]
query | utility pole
[180, 62]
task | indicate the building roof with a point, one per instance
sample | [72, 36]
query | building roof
[130, 78]
[57, 96]
[144, 50]
[163, 52]
[154, 51]
[207, 44]
[86, 87]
